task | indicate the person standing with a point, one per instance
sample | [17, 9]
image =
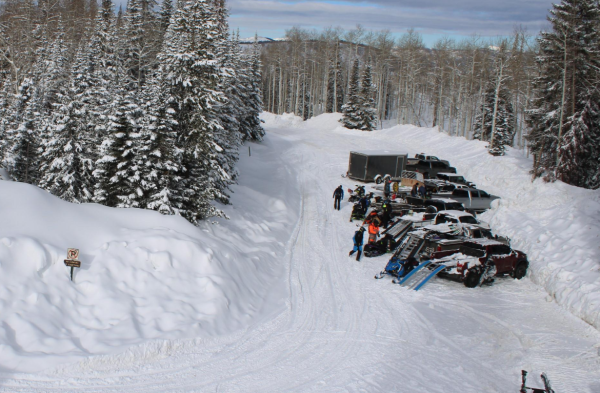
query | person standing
[415, 190]
[373, 231]
[338, 195]
[422, 191]
[387, 188]
[386, 209]
[358, 243]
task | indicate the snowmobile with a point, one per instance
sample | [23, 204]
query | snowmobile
[524, 389]
[358, 212]
[397, 268]
[358, 193]
[380, 247]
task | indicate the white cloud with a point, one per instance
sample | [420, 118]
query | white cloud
[455, 18]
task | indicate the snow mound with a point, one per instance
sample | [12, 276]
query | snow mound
[285, 120]
[143, 276]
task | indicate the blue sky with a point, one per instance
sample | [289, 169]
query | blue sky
[432, 18]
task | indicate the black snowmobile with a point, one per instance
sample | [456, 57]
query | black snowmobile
[358, 193]
[380, 247]
[359, 211]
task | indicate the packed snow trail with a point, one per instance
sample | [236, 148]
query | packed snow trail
[331, 327]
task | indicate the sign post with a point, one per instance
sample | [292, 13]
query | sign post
[72, 261]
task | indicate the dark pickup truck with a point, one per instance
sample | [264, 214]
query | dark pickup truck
[429, 168]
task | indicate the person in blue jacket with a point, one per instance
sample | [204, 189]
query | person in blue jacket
[338, 195]
[387, 188]
[422, 191]
[358, 243]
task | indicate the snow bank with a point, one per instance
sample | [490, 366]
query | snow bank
[556, 225]
[143, 276]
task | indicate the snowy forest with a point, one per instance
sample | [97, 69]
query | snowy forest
[145, 107]
[534, 93]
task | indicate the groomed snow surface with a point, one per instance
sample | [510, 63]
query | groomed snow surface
[269, 301]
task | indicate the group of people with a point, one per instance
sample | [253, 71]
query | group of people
[372, 222]
[418, 191]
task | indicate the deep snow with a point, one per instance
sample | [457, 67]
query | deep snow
[269, 301]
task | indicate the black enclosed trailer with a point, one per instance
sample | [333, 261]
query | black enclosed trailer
[367, 166]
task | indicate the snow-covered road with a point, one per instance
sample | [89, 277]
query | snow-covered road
[333, 328]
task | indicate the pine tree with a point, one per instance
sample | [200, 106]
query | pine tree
[250, 124]
[67, 161]
[118, 170]
[565, 129]
[335, 85]
[505, 120]
[367, 111]
[351, 109]
[230, 111]
[160, 158]
[22, 139]
[166, 10]
[190, 78]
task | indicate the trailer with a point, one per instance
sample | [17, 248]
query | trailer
[368, 166]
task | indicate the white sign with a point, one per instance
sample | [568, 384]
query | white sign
[72, 254]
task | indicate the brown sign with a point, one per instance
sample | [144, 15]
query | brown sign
[71, 263]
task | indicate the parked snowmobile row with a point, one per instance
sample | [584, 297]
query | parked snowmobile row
[466, 252]
[437, 236]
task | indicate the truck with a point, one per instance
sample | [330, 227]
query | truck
[480, 260]
[430, 168]
[374, 166]
[472, 199]
[454, 178]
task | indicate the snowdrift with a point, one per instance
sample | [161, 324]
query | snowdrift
[555, 224]
[143, 276]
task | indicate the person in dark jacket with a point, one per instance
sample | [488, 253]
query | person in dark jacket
[358, 243]
[386, 209]
[338, 195]
[422, 191]
[415, 190]
[364, 203]
[387, 188]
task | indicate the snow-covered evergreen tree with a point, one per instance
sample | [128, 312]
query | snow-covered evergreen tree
[505, 120]
[367, 111]
[230, 111]
[564, 119]
[191, 77]
[166, 10]
[159, 155]
[67, 161]
[21, 138]
[335, 85]
[118, 170]
[351, 109]
[250, 124]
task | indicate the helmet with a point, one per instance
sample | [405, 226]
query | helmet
[362, 229]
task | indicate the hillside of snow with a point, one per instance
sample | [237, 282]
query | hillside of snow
[269, 301]
[143, 276]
